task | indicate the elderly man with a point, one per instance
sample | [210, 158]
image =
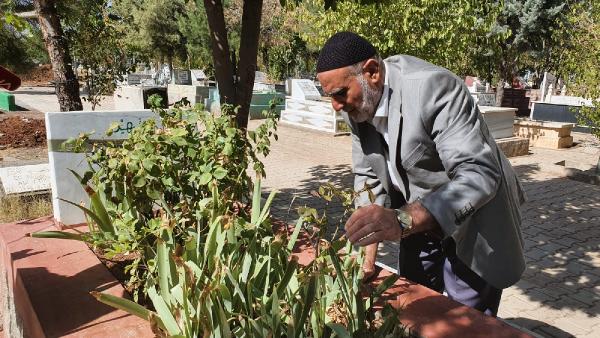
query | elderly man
[441, 185]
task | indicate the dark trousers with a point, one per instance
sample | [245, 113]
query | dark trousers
[427, 260]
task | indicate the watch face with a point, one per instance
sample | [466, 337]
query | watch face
[404, 218]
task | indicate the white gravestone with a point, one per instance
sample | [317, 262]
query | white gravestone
[260, 77]
[305, 89]
[198, 77]
[25, 180]
[61, 126]
[547, 85]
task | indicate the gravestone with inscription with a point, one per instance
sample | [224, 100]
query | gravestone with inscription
[24, 180]
[61, 126]
[305, 89]
[182, 77]
[198, 77]
[136, 79]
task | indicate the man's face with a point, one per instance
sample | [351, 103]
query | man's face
[352, 93]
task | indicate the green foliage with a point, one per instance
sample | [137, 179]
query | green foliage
[237, 278]
[194, 29]
[165, 174]
[443, 32]
[581, 60]
[88, 23]
[152, 28]
[21, 43]
[523, 37]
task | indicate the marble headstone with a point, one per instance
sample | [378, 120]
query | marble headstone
[136, 79]
[25, 180]
[182, 76]
[305, 89]
[60, 126]
[547, 85]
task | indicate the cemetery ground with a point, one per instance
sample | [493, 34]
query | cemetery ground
[559, 294]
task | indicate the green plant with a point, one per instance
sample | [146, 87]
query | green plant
[175, 193]
[237, 278]
[166, 170]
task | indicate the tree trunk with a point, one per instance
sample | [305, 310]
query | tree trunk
[247, 62]
[220, 50]
[67, 86]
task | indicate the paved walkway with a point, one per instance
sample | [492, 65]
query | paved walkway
[559, 294]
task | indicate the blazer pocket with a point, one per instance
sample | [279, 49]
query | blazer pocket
[414, 156]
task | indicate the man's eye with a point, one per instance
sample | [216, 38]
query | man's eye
[341, 92]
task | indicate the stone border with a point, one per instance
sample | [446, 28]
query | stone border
[49, 282]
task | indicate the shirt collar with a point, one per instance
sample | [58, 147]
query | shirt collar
[382, 107]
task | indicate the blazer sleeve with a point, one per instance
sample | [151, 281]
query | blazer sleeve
[363, 173]
[454, 123]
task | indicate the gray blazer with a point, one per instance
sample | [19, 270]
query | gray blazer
[446, 157]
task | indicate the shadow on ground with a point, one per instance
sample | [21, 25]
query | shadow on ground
[540, 328]
[562, 241]
[286, 203]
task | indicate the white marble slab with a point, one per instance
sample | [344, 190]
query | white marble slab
[304, 89]
[499, 120]
[61, 126]
[25, 180]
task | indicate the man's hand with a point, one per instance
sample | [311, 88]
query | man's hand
[374, 223]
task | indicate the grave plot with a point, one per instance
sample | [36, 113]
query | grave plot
[62, 126]
[306, 108]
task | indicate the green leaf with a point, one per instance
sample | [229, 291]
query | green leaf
[219, 173]
[295, 234]
[57, 234]
[386, 284]
[205, 178]
[139, 181]
[162, 309]
[164, 268]
[339, 330]
[256, 203]
[122, 304]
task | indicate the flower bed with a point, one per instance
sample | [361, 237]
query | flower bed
[50, 282]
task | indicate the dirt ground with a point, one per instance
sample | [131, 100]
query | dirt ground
[22, 139]
[39, 76]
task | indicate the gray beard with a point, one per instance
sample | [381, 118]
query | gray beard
[366, 111]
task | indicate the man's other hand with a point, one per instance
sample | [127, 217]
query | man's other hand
[372, 224]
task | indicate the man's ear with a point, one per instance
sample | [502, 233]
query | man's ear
[372, 70]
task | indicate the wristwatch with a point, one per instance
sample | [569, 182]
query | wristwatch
[404, 219]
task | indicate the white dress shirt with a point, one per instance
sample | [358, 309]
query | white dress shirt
[380, 122]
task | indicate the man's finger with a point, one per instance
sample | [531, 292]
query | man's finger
[356, 216]
[375, 237]
[362, 231]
